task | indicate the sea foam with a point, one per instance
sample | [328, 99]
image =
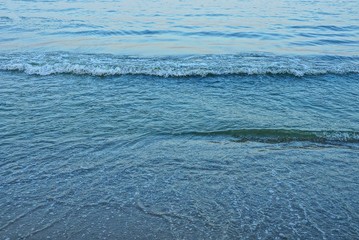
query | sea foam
[180, 66]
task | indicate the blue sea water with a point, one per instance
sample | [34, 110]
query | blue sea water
[179, 119]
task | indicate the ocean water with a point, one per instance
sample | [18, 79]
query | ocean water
[179, 119]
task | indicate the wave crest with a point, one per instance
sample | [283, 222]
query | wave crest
[284, 135]
[185, 66]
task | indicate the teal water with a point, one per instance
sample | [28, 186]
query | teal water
[181, 120]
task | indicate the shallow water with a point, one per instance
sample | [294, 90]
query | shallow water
[181, 120]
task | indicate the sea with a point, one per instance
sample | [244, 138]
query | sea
[179, 119]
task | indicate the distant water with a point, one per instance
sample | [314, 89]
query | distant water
[181, 27]
[179, 119]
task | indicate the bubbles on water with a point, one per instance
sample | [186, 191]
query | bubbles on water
[110, 65]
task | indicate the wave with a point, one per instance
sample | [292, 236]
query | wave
[180, 66]
[284, 135]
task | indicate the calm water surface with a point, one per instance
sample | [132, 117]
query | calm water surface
[181, 27]
[179, 120]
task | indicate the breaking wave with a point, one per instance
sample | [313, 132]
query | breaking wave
[181, 66]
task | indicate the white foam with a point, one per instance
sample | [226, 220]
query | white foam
[110, 65]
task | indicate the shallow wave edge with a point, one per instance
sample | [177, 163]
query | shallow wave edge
[180, 66]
